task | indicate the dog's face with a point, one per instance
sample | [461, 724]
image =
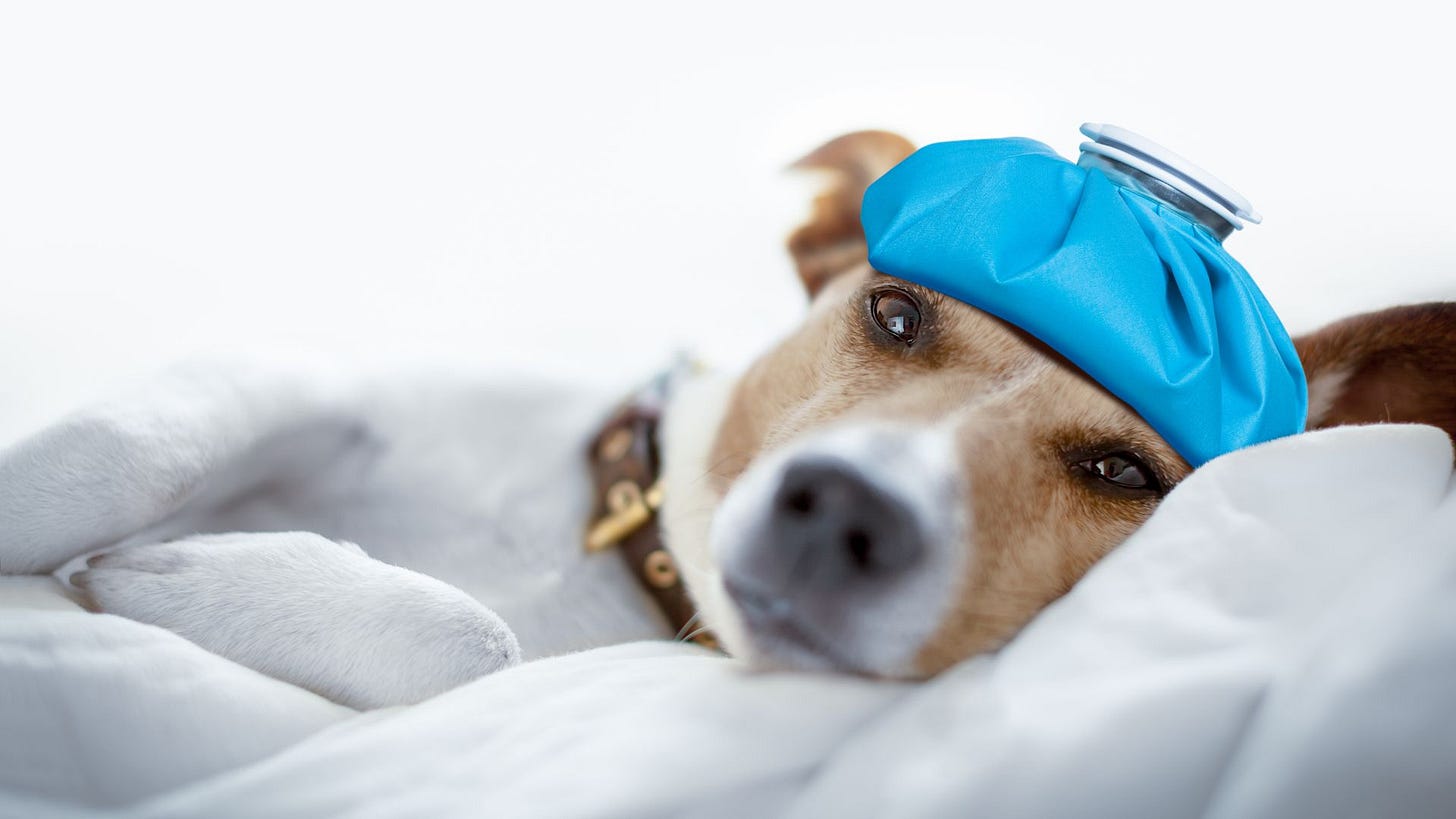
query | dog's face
[906, 481]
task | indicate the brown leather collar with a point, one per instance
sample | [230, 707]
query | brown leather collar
[626, 471]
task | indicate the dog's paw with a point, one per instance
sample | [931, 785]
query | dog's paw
[184, 585]
[307, 610]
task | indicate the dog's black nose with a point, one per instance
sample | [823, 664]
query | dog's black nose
[830, 526]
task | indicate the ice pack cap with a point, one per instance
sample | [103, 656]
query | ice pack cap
[1116, 262]
[1150, 166]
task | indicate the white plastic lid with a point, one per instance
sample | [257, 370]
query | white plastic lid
[1141, 153]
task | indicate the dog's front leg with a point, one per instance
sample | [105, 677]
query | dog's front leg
[307, 610]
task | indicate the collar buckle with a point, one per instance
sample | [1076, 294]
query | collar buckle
[628, 509]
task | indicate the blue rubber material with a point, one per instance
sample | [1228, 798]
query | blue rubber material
[1128, 288]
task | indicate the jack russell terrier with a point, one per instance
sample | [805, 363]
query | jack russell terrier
[902, 483]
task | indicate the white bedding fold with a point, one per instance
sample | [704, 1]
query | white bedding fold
[98, 710]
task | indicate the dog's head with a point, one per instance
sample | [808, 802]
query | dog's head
[906, 481]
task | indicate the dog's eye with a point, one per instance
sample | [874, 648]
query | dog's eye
[1122, 469]
[897, 314]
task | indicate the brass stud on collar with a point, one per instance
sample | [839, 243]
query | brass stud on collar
[623, 495]
[615, 445]
[659, 569]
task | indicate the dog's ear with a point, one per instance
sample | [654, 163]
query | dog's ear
[832, 241]
[1396, 365]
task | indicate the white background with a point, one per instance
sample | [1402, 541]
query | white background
[577, 190]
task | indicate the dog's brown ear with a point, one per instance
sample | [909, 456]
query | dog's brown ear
[1396, 365]
[832, 241]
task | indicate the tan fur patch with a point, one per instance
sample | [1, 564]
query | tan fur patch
[1396, 365]
[831, 241]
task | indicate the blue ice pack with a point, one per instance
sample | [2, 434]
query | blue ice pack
[1116, 262]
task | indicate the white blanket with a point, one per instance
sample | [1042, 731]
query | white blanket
[1280, 640]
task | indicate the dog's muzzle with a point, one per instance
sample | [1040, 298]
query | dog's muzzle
[840, 554]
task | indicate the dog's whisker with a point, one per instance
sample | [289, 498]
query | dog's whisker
[713, 469]
[694, 634]
[697, 615]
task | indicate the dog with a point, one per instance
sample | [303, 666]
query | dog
[902, 483]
